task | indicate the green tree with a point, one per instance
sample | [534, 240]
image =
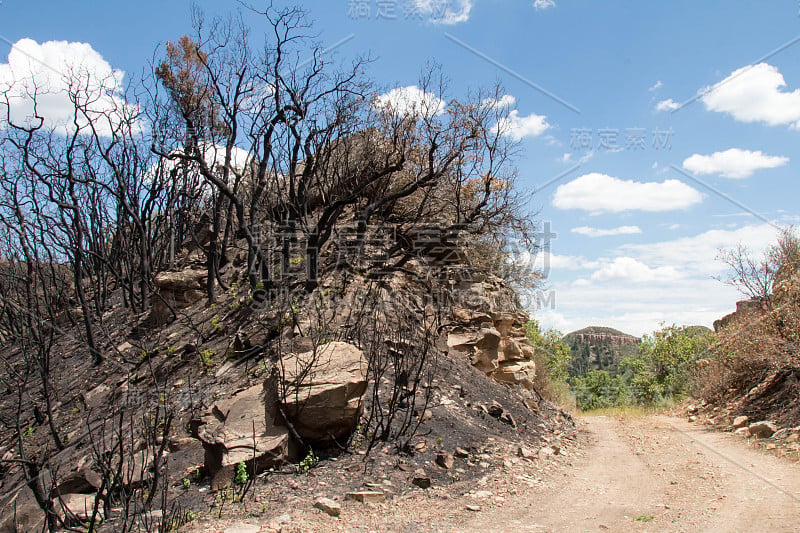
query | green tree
[557, 352]
[663, 368]
[552, 356]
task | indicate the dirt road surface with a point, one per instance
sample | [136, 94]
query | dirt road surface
[659, 474]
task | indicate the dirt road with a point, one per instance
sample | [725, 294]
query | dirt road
[658, 474]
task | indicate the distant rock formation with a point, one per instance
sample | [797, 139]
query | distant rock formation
[599, 348]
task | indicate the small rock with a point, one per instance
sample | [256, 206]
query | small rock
[445, 460]
[794, 437]
[772, 446]
[277, 524]
[740, 421]
[546, 451]
[526, 453]
[81, 505]
[506, 418]
[495, 410]
[763, 430]
[461, 452]
[421, 479]
[693, 418]
[744, 432]
[473, 508]
[692, 409]
[328, 506]
[366, 496]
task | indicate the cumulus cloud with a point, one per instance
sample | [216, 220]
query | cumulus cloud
[518, 127]
[732, 163]
[599, 193]
[447, 12]
[569, 262]
[598, 232]
[506, 100]
[52, 72]
[544, 4]
[682, 288]
[630, 269]
[755, 94]
[411, 101]
[698, 254]
[667, 105]
[515, 125]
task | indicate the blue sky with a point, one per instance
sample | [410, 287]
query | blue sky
[638, 223]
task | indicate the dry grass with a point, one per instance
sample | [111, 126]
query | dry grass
[756, 361]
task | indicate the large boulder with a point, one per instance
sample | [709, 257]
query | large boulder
[517, 372]
[81, 506]
[176, 290]
[324, 390]
[238, 430]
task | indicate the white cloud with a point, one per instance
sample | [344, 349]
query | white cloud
[506, 100]
[544, 4]
[54, 70]
[667, 105]
[754, 94]
[411, 101]
[698, 254]
[600, 193]
[684, 291]
[656, 86]
[630, 269]
[597, 232]
[516, 126]
[447, 12]
[569, 262]
[732, 163]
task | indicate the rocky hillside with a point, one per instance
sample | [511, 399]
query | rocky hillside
[599, 348]
[751, 383]
[228, 401]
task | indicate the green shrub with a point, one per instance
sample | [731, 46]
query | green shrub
[206, 357]
[241, 473]
[552, 358]
[598, 389]
[308, 462]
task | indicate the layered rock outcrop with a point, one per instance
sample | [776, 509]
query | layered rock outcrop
[491, 331]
